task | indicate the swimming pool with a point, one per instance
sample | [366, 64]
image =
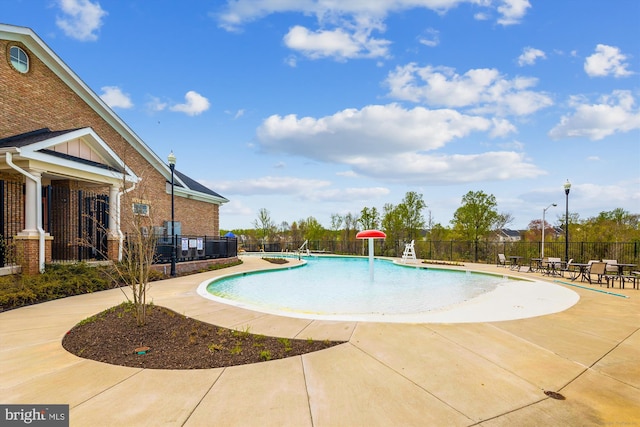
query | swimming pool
[339, 288]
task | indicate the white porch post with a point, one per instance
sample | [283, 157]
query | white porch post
[32, 204]
[114, 235]
[114, 211]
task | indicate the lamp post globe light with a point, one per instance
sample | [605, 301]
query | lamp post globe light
[567, 188]
[544, 225]
[172, 165]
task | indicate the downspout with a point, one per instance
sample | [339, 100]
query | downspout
[38, 181]
[120, 233]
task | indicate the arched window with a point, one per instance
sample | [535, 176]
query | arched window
[19, 59]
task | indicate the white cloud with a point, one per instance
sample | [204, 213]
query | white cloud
[347, 174]
[81, 20]
[615, 113]
[310, 190]
[345, 28]
[590, 196]
[366, 194]
[155, 104]
[390, 143]
[291, 61]
[422, 169]
[484, 89]
[529, 56]
[431, 38]
[338, 43]
[501, 128]
[235, 208]
[607, 60]
[271, 185]
[195, 104]
[239, 113]
[238, 12]
[375, 130]
[512, 145]
[114, 97]
[512, 11]
[321, 43]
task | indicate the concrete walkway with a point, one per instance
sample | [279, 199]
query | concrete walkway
[488, 374]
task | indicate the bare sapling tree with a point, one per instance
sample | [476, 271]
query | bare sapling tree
[138, 247]
[136, 239]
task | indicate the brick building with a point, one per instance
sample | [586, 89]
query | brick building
[71, 170]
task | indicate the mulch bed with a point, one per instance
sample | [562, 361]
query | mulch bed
[175, 341]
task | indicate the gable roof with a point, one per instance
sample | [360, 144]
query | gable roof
[510, 233]
[39, 48]
[31, 137]
[51, 148]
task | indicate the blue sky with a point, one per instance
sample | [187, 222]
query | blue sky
[313, 107]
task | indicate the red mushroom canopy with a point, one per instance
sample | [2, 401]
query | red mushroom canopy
[370, 234]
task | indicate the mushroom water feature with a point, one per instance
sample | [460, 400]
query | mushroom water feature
[371, 235]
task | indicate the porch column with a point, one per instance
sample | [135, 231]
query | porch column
[31, 199]
[31, 243]
[113, 237]
[114, 211]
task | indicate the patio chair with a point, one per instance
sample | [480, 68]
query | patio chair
[611, 267]
[632, 277]
[570, 270]
[553, 266]
[600, 270]
[544, 266]
[502, 261]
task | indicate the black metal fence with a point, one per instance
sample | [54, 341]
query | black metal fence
[468, 251]
[192, 248]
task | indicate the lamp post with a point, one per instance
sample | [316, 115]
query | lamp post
[172, 165]
[544, 225]
[567, 187]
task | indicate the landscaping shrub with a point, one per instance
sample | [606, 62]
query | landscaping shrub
[58, 281]
[65, 280]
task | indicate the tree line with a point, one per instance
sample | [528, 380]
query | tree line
[477, 219]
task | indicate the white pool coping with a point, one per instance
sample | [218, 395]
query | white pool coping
[510, 300]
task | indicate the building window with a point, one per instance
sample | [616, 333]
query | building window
[141, 209]
[19, 59]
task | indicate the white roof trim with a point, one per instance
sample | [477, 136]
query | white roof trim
[58, 164]
[195, 195]
[91, 138]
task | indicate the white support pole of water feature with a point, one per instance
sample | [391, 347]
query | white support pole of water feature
[371, 248]
[371, 234]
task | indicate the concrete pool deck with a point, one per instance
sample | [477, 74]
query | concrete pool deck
[387, 374]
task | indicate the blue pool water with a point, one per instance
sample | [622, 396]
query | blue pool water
[342, 286]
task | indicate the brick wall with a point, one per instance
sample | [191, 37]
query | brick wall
[13, 203]
[39, 99]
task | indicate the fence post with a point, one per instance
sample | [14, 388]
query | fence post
[475, 255]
